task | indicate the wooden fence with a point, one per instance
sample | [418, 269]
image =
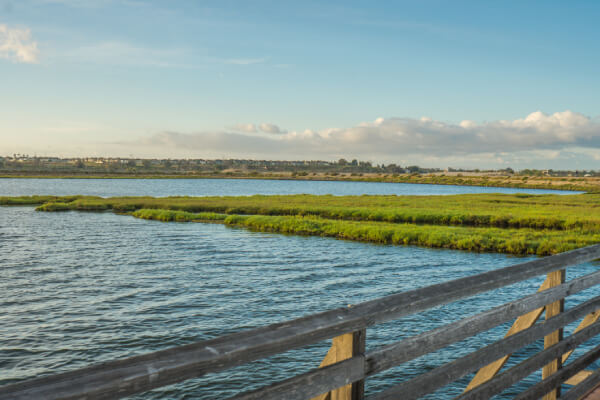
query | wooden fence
[345, 367]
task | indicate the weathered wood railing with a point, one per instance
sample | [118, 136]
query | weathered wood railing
[346, 365]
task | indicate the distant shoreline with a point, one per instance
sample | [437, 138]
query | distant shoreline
[580, 184]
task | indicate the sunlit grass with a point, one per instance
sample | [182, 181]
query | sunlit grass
[513, 241]
[484, 210]
[516, 224]
[35, 200]
[177, 216]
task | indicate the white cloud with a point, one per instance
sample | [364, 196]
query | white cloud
[536, 131]
[271, 128]
[250, 128]
[265, 127]
[17, 45]
[538, 138]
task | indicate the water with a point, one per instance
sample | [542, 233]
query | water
[81, 288]
[233, 187]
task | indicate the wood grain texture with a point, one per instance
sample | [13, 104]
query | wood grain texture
[344, 347]
[359, 348]
[553, 309]
[523, 322]
[312, 383]
[515, 374]
[587, 321]
[585, 390]
[329, 359]
[578, 377]
[396, 353]
[449, 372]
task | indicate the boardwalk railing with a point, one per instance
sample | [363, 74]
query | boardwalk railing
[346, 365]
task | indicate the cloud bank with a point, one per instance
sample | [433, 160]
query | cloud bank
[538, 137]
[249, 128]
[265, 127]
[17, 45]
[271, 128]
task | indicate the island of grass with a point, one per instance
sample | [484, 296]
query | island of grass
[518, 224]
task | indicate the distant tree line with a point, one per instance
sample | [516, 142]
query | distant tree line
[27, 164]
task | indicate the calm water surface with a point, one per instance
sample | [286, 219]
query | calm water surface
[80, 288]
[232, 187]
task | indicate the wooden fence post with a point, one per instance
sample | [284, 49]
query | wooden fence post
[343, 347]
[553, 309]
[358, 347]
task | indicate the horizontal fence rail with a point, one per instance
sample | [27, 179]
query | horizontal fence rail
[538, 390]
[345, 368]
[450, 372]
[427, 342]
[584, 387]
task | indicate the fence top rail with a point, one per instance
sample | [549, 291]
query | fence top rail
[145, 372]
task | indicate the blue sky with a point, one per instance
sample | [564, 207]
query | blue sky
[438, 83]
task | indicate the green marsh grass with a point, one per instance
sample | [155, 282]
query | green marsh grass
[506, 223]
[512, 241]
[480, 210]
[35, 200]
[177, 216]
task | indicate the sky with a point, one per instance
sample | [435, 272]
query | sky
[472, 84]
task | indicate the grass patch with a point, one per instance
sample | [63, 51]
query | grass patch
[479, 210]
[54, 206]
[35, 200]
[505, 223]
[177, 216]
[513, 241]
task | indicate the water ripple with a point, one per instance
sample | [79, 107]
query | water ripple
[81, 288]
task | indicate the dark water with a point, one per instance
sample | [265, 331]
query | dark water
[80, 288]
